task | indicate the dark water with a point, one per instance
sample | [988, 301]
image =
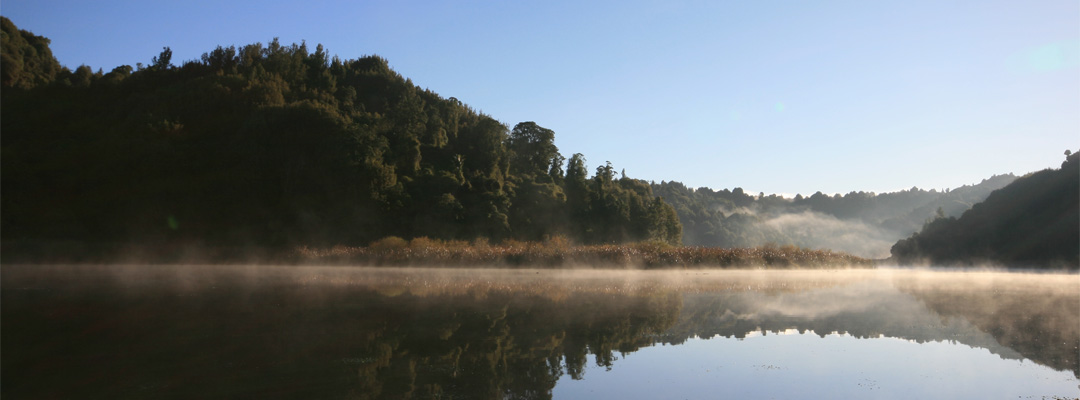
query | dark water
[308, 332]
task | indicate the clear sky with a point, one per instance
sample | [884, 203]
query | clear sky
[771, 96]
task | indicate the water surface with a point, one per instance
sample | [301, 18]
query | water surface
[245, 331]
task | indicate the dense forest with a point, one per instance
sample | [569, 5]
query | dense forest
[861, 223]
[276, 146]
[1033, 222]
[279, 147]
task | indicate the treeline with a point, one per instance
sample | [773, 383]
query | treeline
[277, 145]
[1033, 222]
[559, 254]
[734, 218]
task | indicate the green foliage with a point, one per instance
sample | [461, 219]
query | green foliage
[275, 145]
[532, 149]
[733, 218]
[26, 61]
[1031, 223]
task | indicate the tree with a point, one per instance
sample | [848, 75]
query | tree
[162, 61]
[532, 149]
[25, 59]
[82, 76]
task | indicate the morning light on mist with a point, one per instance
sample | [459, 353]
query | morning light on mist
[419, 200]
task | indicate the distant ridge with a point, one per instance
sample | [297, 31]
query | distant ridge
[866, 224]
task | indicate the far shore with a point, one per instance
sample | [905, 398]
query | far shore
[428, 252]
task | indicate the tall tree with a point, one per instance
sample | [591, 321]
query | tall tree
[533, 149]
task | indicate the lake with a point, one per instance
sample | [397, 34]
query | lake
[346, 332]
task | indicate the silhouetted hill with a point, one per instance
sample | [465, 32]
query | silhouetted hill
[278, 146]
[1033, 222]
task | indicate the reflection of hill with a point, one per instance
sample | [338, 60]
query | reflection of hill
[502, 345]
[208, 337]
[1040, 321]
[361, 333]
[865, 310]
[1013, 322]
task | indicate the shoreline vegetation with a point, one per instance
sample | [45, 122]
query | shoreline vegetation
[559, 253]
[395, 252]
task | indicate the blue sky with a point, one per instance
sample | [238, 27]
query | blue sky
[771, 96]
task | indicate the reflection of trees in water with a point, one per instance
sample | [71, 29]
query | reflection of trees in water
[431, 337]
[1033, 321]
[503, 345]
[320, 341]
[863, 311]
[1041, 323]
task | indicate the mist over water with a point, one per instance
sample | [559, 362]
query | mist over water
[810, 229]
[865, 224]
[822, 231]
[179, 331]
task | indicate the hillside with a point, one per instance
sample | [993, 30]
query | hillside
[279, 146]
[1033, 222]
[865, 224]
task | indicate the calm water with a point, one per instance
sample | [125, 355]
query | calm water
[227, 332]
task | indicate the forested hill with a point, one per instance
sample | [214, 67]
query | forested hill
[1033, 222]
[278, 145]
[862, 223]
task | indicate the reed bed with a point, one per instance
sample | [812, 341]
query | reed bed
[560, 254]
